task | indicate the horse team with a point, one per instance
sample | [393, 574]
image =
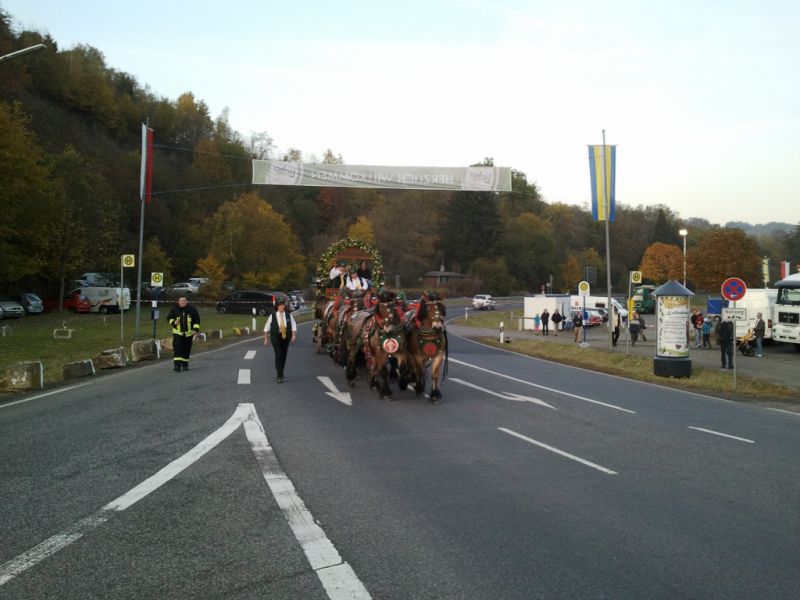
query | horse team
[394, 340]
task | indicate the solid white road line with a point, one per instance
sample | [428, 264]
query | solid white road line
[780, 410]
[336, 576]
[542, 387]
[250, 355]
[504, 395]
[61, 540]
[58, 391]
[244, 376]
[557, 451]
[733, 437]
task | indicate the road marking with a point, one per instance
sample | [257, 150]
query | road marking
[343, 397]
[336, 576]
[61, 540]
[780, 410]
[58, 391]
[557, 451]
[542, 387]
[505, 395]
[250, 355]
[733, 437]
[244, 376]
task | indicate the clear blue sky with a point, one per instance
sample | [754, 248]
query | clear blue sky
[701, 98]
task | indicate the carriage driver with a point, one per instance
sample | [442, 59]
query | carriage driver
[337, 275]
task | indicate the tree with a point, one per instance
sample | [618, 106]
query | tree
[528, 247]
[255, 244]
[362, 230]
[24, 194]
[724, 253]
[662, 262]
[472, 227]
[213, 270]
[494, 275]
[155, 260]
[571, 274]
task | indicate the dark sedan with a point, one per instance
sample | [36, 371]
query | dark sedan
[246, 301]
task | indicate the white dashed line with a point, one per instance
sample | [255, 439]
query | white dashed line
[244, 376]
[557, 451]
[733, 437]
[251, 354]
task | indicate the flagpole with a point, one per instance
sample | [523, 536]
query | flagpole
[142, 177]
[607, 212]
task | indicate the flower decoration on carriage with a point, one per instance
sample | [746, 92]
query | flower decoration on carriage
[324, 265]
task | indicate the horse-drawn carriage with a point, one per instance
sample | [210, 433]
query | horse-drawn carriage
[375, 325]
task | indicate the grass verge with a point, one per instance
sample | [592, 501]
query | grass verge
[631, 366]
[31, 338]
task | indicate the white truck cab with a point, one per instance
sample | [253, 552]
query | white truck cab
[786, 313]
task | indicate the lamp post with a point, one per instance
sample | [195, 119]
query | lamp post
[22, 52]
[683, 233]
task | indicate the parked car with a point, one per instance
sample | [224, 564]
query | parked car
[76, 301]
[594, 317]
[244, 301]
[184, 287]
[30, 302]
[11, 309]
[484, 302]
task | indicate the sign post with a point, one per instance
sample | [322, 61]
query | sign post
[584, 290]
[126, 261]
[156, 282]
[733, 289]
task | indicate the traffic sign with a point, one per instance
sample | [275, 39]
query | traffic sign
[733, 289]
[583, 288]
[128, 260]
[157, 279]
[734, 314]
[636, 277]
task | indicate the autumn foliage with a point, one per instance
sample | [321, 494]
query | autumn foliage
[662, 262]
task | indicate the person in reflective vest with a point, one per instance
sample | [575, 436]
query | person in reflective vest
[185, 321]
[280, 331]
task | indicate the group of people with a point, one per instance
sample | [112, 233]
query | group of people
[544, 321]
[352, 279]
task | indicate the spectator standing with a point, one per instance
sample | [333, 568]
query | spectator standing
[614, 325]
[577, 323]
[725, 340]
[634, 327]
[556, 319]
[760, 328]
[185, 322]
[545, 322]
[280, 331]
[537, 321]
[707, 334]
[697, 324]
[642, 327]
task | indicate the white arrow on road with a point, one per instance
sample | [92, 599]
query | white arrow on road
[343, 397]
[504, 396]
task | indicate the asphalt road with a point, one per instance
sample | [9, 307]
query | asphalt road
[530, 480]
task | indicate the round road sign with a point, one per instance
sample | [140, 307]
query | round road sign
[733, 289]
[583, 288]
[636, 277]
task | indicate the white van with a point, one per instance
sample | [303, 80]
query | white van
[576, 304]
[756, 300]
[107, 299]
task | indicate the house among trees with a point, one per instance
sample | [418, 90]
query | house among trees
[441, 279]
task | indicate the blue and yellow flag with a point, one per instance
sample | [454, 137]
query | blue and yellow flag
[603, 203]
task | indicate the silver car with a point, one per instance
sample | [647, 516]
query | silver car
[11, 309]
[32, 304]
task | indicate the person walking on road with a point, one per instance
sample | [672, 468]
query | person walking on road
[556, 319]
[725, 341]
[577, 323]
[185, 322]
[545, 322]
[634, 327]
[280, 330]
[759, 329]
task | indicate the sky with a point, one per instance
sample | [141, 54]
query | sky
[702, 99]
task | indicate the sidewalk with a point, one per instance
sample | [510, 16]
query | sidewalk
[779, 365]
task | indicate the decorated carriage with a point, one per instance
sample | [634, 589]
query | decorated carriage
[376, 325]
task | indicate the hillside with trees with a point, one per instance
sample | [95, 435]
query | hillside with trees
[70, 140]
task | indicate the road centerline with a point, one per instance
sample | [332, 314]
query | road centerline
[725, 435]
[250, 355]
[244, 376]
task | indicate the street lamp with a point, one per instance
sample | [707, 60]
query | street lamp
[683, 233]
[22, 52]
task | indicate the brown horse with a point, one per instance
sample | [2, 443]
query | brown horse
[427, 343]
[384, 345]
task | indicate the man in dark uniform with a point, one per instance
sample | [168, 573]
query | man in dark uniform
[185, 322]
